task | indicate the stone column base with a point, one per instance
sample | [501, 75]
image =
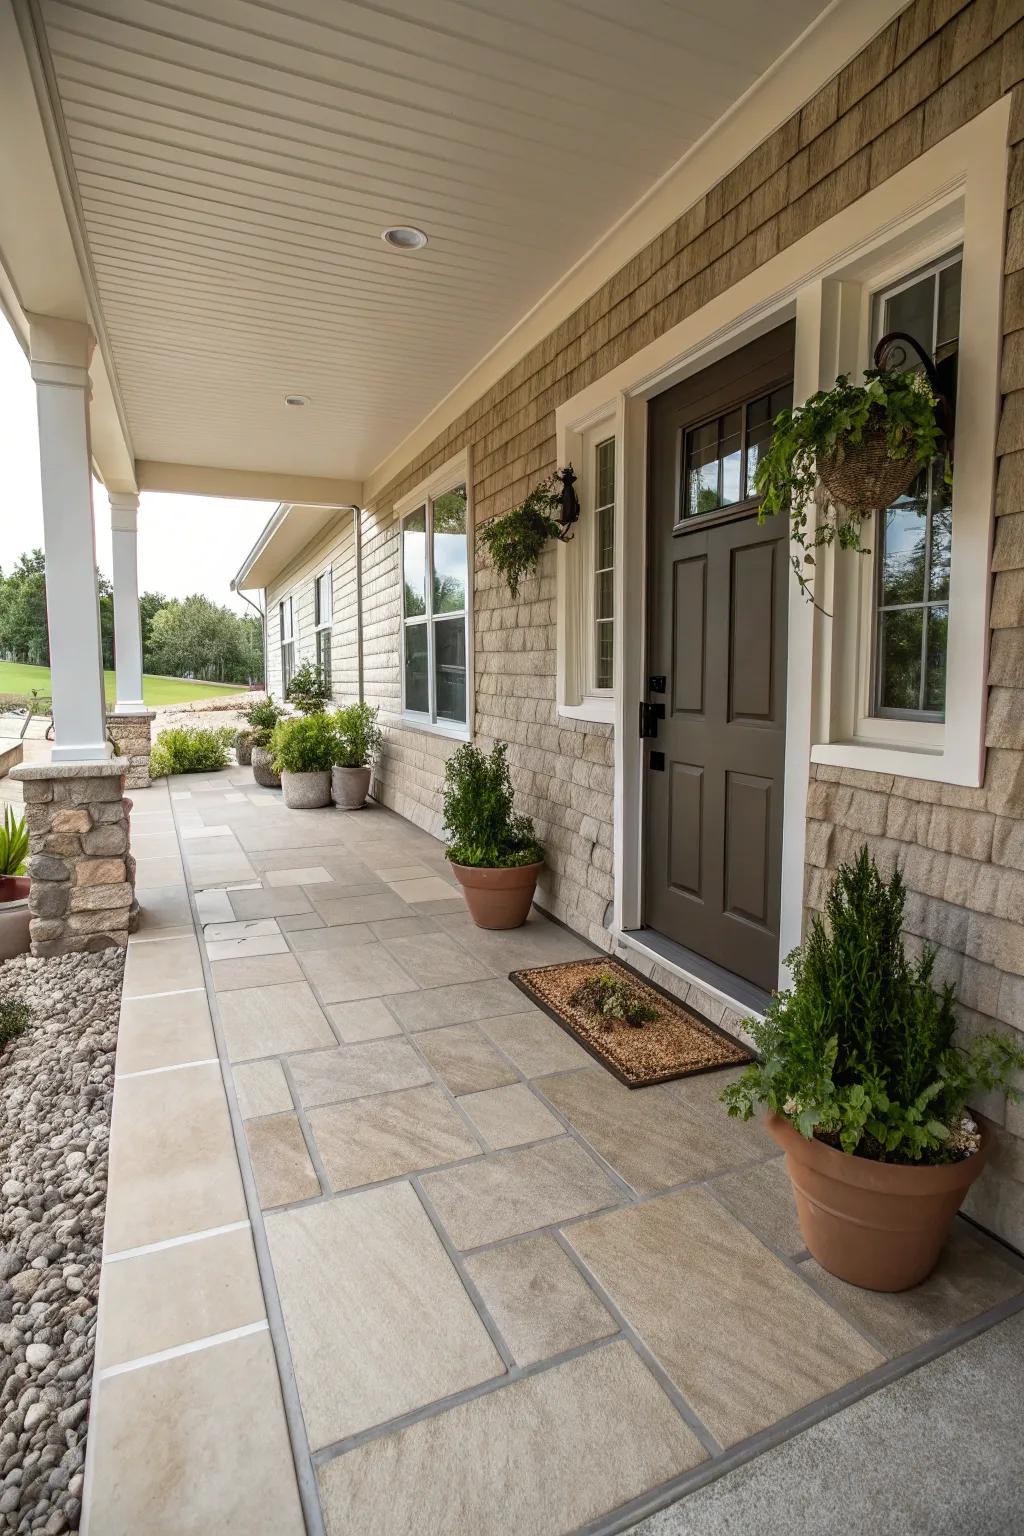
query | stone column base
[131, 736]
[79, 864]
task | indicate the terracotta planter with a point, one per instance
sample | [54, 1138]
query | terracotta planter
[350, 787]
[498, 898]
[263, 768]
[307, 791]
[14, 916]
[878, 1225]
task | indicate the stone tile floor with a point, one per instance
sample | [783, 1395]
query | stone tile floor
[505, 1293]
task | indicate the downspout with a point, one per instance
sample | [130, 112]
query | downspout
[357, 529]
[261, 615]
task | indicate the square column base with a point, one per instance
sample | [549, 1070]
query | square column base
[80, 866]
[130, 731]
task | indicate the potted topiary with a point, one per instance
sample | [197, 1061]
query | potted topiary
[494, 853]
[303, 750]
[867, 1091]
[14, 886]
[309, 689]
[863, 444]
[359, 739]
[262, 717]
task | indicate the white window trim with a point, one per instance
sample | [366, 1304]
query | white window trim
[286, 605]
[971, 166]
[576, 697]
[457, 471]
[327, 623]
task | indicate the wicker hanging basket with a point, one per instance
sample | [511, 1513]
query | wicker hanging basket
[863, 477]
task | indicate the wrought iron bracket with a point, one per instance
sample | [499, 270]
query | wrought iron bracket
[892, 353]
[569, 502]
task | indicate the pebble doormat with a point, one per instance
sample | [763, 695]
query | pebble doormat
[675, 1042]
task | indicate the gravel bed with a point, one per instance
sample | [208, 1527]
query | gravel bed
[56, 1087]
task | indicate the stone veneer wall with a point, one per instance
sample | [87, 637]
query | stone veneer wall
[132, 738]
[82, 895]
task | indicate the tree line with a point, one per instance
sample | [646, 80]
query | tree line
[181, 637]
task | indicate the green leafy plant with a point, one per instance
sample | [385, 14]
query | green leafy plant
[483, 829]
[262, 717]
[13, 844]
[611, 999]
[306, 745]
[860, 1051]
[309, 689]
[515, 542]
[15, 1017]
[897, 405]
[190, 749]
[359, 736]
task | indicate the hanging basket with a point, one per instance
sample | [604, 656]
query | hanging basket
[863, 477]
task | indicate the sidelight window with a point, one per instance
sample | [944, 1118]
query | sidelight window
[435, 609]
[604, 564]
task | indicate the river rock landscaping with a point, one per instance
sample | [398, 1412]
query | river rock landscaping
[56, 1089]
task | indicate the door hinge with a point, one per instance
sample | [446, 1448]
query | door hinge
[650, 714]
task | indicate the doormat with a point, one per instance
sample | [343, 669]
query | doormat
[676, 1042]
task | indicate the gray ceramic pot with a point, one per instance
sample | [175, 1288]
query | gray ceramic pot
[263, 768]
[306, 791]
[350, 787]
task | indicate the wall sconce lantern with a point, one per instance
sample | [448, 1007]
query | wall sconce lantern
[899, 350]
[568, 502]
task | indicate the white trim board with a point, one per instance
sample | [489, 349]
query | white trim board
[960, 183]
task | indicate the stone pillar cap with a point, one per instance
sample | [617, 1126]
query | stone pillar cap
[94, 768]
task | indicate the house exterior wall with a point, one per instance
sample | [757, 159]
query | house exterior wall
[938, 65]
[335, 546]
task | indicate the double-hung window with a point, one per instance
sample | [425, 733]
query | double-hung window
[286, 627]
[914, 536]
[435, 609]
[603, 545]
[323, 615]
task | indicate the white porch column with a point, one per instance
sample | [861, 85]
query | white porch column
[59, 355]
[124, 514]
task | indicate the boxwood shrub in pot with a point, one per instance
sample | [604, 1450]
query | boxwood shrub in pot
[262, 718]
[303, 751]
[867, 1090]
[494, 852]
[358, 740]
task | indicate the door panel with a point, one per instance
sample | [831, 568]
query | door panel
[717, 598]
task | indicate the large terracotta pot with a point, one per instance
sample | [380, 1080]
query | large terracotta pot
[878, 1225]
[307, 791]
[263, 768]
[14, 915]
[350, 787]
[498, 898]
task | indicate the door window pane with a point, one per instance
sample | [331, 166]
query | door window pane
[417, 684]
[701, 470]
[449, 551]
[730, 451]
[414, 563]
[450, 669]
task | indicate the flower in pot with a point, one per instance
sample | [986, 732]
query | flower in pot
[14, 886]
[856, 448]
[493, 852]
[303, 752]
[309, 689]
[262, 717]
[866, 1090]
[358, 740]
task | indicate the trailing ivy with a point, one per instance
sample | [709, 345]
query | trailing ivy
[515, 542]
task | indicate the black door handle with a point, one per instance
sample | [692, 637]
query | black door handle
[650, 714]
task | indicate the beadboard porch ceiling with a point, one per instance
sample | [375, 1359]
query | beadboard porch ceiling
[236, 161]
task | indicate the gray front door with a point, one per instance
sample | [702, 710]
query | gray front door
[717, 595]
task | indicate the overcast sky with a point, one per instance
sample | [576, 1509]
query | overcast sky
[186, 543]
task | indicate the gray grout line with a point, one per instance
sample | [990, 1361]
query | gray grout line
[627, 1515]
[680, 1403]
[304, 1475]
[307, 1130]
[471, 1288]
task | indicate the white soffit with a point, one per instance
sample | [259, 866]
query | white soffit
[286, 534]
[237, 162]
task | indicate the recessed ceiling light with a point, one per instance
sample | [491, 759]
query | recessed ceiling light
[296, 399]
[403, 237]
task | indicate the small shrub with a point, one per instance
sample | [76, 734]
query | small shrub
[309, 689]
[15, 1017]
[483, 830]
[262, 717]
[612, 999]
[359, 735]
[860, 1051]
[306, 745]
[13, 844]
[190, 749]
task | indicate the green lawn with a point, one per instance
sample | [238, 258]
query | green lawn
[16, 678]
